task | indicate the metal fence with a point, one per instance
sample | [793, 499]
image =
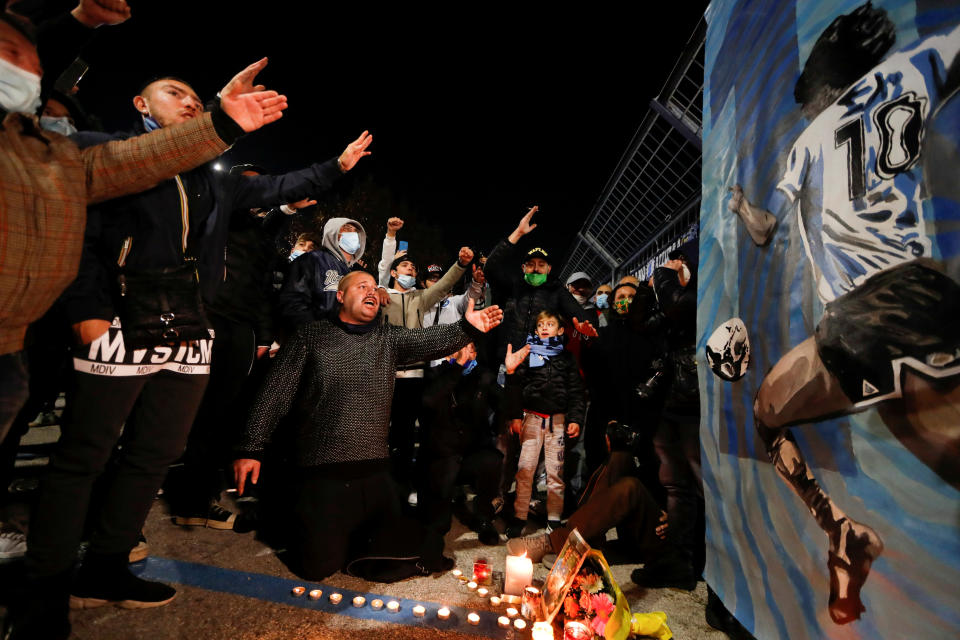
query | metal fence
[653, 196]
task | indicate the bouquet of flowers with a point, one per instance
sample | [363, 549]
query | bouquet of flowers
[590, 600]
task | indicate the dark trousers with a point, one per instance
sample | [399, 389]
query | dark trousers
[13, 388]
[220, 419]
[334, 516]
[615, 500]
[161, 408]
[677, 443]
[407, 401]
[481, 469]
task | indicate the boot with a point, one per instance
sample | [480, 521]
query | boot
[106, 579]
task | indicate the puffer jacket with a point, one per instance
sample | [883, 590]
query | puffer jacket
[555, 387]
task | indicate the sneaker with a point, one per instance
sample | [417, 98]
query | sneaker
[216, 517]
[104, 580]
[13, 545]
[139, 552]
[534, 547]
[515, 529]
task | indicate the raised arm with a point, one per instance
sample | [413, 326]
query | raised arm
[416, 345]
[760, 223]
[436, 293]
[389, 251]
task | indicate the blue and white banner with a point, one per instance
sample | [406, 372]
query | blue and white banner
[828, 279]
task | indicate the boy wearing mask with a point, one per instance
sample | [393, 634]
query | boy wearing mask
[545, 398]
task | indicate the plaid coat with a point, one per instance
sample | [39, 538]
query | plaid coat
[46, 183]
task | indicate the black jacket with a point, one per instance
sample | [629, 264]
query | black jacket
[556, 387]
[524, 301]
[457, 410]
[146, 230]
[679, 307]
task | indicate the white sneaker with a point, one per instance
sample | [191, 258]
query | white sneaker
[412, 499]
[13, 544]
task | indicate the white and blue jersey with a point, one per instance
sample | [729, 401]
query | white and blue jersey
[867, 216]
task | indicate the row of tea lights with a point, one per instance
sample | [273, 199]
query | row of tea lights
[443, 613]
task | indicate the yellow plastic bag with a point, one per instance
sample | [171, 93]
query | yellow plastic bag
[653, 625]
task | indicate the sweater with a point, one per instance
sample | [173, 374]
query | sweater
[337, 384]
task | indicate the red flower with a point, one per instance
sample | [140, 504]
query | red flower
[570, 608]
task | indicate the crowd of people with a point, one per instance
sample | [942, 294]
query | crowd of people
[355, 404]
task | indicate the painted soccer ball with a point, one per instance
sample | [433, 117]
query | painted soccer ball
[728, 350]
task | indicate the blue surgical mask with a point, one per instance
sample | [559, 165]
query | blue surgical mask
[350, 242]
[407, 282]
[296, 253]
[61, 125]
[19, 89]
[602, 301]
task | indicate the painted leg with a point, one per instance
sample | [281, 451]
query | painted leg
[800, 389]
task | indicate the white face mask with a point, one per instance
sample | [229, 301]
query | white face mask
[579, 298]
[61, 125]
[19, 89]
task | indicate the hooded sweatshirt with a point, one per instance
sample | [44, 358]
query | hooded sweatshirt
[310, 290]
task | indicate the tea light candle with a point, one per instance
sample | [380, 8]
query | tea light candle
[495, 601]
[443, 613]
[512, 612]
[482, 592]
[542, 631]
[519, 574]
[315, 594]
[519, 624]
[419, 610]
[473, 618]
[393, 606]
[376, 604]
[503, 621]
[457, 573]
[335, 598]
[471, 585]
[298, 591]
[359, 601]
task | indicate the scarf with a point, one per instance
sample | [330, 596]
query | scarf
[541, 351]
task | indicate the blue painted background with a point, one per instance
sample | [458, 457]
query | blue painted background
[767, 559]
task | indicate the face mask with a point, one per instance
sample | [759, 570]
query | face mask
[296, 253]
[407, 282]
[579, 298]
[350, 242]
[150, 124]
[622, 306]
[61, 125]
[685, 274]
[19, 89]
[535, 279]
[602, 301]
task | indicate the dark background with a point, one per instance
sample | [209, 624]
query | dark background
[477, 111]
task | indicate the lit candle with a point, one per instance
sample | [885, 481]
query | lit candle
[335, 598]
[542, 631]
[519, 574]
[457, 573]
[315, 594]
[298, 591]
[443, 613]
[419, 610]
[503, 621]
[495, 601]
[482, 592]
[519, 624]
[376, 604]
[359, 601]
[393, 606]
[512, 612]
[473, 618]
[576, 630]
[471, 585]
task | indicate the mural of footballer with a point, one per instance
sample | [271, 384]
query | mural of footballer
[890, 330]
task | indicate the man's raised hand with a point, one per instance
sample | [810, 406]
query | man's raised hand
[585, 328]
[524, 227]
[248, 104]
[393, 225]
[354, 151]
[96, 13]
[485, 319]
[515, 358]
[465, 256]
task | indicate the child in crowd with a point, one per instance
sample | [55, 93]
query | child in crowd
[545, 398]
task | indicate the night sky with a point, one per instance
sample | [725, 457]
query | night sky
[477, 112]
